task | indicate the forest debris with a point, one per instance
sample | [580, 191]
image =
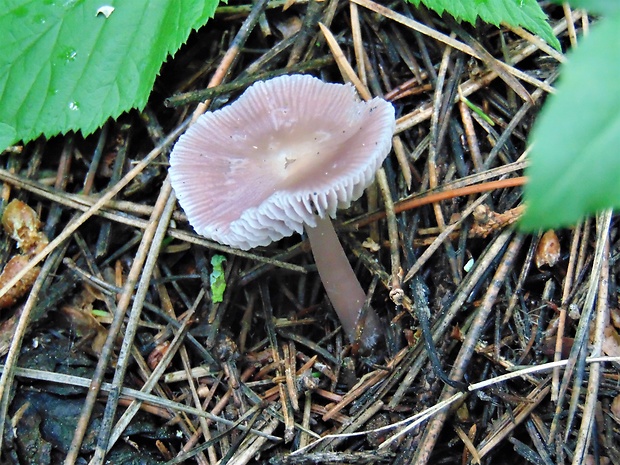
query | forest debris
[548, 250]
[22, 224]
[86, 326]
[487, 221]
[157, 354]
[615, 408]
[611, 342]
[14, 266]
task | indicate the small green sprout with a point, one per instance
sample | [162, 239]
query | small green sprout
[479, 111]
[217, 278]
[100, 313]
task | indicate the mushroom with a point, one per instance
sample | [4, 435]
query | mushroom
[283, 157]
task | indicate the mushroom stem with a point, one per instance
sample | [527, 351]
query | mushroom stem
[340, 283]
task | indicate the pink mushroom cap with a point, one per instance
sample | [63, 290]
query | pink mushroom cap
[286, 150]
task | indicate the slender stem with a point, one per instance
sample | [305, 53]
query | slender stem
[340, 283]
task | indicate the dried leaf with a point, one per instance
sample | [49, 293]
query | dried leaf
[615, 408]
[611, 343]
[548, 251]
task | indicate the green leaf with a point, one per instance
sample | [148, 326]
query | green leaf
[63, 66]
[575, 164]
[7, 136]
[595, 6]
[523, 13]
[217, 278]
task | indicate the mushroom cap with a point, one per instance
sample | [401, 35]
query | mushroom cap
[286, 150]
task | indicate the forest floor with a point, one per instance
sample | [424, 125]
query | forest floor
[266, 375]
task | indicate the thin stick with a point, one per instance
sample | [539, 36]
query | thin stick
[572, 33]
[432, 430]
[537, 41]
[232, 53]
[419, 27]
[382, 181]
[424, 111]
[143, 266]
[114, 330]
[17, 339]
[403, 162]
[132, 394]
[410, 204]
[345, 67]
[410, 422]
[433, 181]
[586, 429]
[358, 45]
[580, 341]
[428, 253]
[568, 281]
[74, 225]
[150, 383]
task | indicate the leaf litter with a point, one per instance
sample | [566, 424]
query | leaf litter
[262, 373]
